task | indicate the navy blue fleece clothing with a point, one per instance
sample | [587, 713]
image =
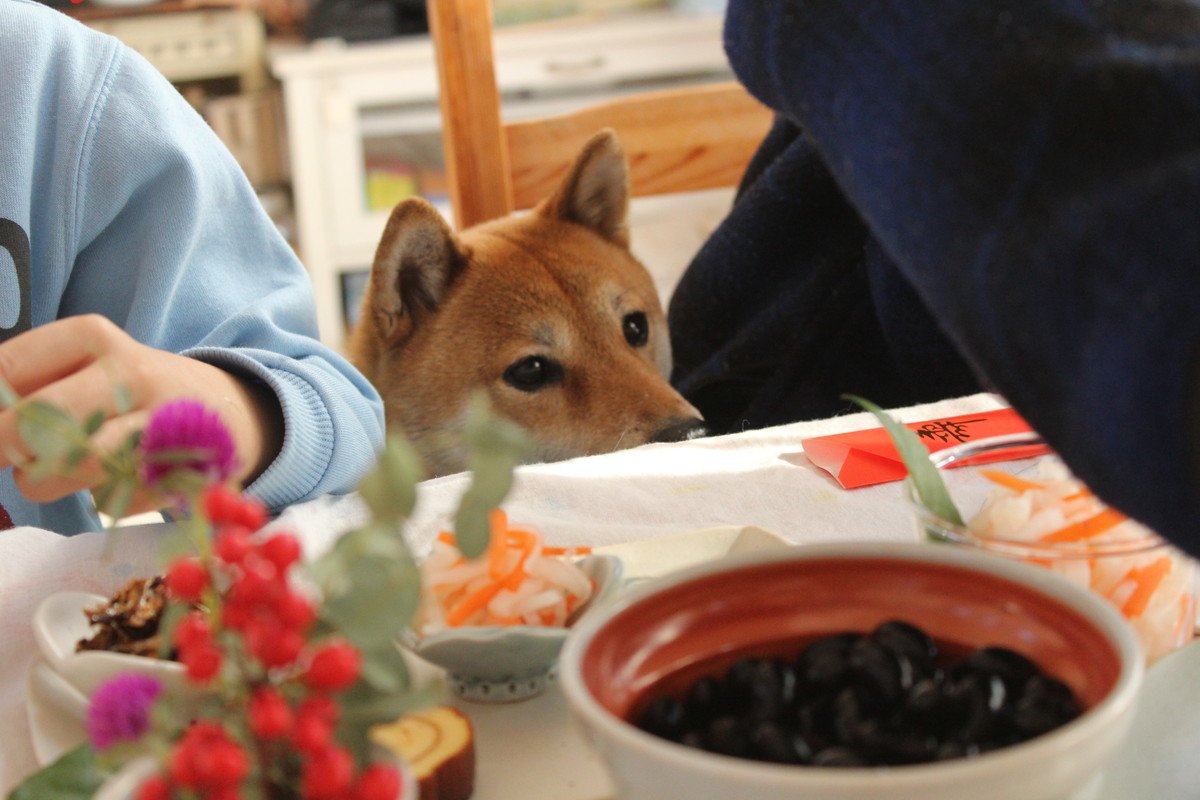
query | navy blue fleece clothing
[960, 195]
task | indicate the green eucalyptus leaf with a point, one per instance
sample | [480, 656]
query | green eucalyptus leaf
[49, 432]
[384, 669]
[926, 478]
[390, 490]
[327, 570]
[490, 484]
[75, 456]
[122, 463]
[74, 776]
[382, 596]
[497, 447]
[333, 570]
[362, 706]
[114, 497]
[93, 422]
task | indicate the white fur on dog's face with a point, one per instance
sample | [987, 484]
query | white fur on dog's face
[548, 313]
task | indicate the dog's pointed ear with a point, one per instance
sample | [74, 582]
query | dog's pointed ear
[417, 259]
[595, 191]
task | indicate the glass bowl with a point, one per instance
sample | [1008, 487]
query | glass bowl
[1000, 491]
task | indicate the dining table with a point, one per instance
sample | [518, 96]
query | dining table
[654, 494]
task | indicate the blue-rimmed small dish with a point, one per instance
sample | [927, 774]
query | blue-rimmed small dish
[504, 664]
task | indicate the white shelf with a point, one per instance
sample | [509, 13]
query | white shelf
[338, 95]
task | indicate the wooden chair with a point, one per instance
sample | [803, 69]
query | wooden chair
[675, 140]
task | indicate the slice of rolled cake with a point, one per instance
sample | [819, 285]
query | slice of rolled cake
[439, 744]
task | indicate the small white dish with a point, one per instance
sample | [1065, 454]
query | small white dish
[56, 712]
[503, 664]
[59, 623]
[651, 558]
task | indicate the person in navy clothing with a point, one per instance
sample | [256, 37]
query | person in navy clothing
[960, 196]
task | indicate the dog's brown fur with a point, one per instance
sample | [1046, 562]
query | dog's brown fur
[553, 293]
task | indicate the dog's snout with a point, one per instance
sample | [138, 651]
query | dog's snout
[680, 430]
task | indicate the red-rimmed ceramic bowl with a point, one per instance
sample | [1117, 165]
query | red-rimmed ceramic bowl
[662, 634]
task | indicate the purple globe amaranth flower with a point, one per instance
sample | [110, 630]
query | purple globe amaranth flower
[186, 435]
[119, 710]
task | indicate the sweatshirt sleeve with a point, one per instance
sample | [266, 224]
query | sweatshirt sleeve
[1032, 168]
[171, 243]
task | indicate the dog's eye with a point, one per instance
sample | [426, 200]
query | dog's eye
[532, 373]
[636, 328]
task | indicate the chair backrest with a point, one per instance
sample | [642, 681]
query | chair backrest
[675, 140]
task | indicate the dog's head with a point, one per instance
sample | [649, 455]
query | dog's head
[547, 312]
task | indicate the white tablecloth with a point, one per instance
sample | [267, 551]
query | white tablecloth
[752, 478]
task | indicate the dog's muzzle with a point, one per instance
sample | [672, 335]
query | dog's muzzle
[681, 431]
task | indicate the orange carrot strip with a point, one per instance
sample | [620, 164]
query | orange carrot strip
[1148, 580]
[473, 603]
[498, 546]
[446, 537]
[1082, 493]
[1008, 481]
[582, 550]
[1086, 528]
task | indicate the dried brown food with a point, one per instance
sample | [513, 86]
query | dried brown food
[128, 621]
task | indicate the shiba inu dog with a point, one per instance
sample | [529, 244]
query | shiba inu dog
[547, 312]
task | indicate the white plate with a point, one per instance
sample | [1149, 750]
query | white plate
[650, 558]
[56, 711]
[1159, 757]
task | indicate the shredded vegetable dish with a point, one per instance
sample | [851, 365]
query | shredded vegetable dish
[518, 581]
[1064, 527]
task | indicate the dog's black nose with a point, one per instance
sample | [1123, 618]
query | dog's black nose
[680, 431]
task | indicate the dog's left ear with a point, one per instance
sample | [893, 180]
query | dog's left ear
[595, 191]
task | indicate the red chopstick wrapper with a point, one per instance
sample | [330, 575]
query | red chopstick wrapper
[868, 457]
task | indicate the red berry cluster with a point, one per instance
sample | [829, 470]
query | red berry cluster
[290, 713]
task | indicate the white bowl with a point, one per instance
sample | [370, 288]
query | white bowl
[501, 664]
[715, 611]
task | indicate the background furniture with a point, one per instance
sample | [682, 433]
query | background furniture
[364, 130]
[188, 40]
[683, 139]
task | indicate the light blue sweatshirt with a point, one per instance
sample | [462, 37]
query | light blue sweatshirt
[116, 198]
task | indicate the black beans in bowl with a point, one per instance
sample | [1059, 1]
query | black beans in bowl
[889, 696]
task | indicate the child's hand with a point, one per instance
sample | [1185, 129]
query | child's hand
[78, 364]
